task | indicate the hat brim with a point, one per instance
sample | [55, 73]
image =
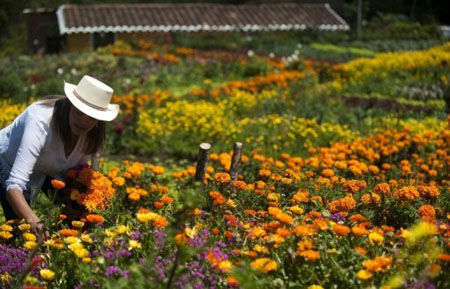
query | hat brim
[104, 115]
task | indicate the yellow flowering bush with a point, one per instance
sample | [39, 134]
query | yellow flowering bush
[202, 119]
[9, 112]
[384, 63]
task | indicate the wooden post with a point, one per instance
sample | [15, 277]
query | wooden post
[95, 160]
[201, 162]
[235, 160]
[358, 18]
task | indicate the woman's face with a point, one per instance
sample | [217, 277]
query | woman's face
[79, 122]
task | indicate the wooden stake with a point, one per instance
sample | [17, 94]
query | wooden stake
[201, 162]
[236, 160]
[95, 160]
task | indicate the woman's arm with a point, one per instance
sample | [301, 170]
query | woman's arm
[22, 209]
[33, 139]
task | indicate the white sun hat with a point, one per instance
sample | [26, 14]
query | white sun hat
[92, 97]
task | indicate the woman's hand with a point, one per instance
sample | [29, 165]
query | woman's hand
[23, 210]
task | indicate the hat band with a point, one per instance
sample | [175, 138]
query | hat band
[88, 103]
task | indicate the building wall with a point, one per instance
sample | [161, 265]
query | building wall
[157, 37]
[78, 42]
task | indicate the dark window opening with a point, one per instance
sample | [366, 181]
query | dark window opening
[103, 39]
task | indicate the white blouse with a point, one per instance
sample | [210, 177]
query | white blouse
[30, 151]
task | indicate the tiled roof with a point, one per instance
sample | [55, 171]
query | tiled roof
[196, 17]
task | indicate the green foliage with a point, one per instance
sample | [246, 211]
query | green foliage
[10, 87]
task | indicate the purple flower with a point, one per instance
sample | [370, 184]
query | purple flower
[12, 261]
[109, 255]
[136, 235]
[126, 274]
[112, 270]
[159, 239]
[337, 218]
[160, 266]
[221, 244]
[423, 284]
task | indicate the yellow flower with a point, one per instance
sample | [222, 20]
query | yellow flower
[264, 264]
[54, 244]
[24, 227]
[86, 260]
[119, 181]
[261, 249]
[5, 235]
[315, 287]
[421, 230]
[225, 266]
[77, 224]
[30, 245]
[72, 240]
[230, 203]
[81, 252]
[5, 278]
[133, 244]
[146, 217]
[110, 233]
[47, 274]
[86, 238]
[75, 246]
[375, 238]
[6, 227]
[31, 280]
[29, 237]
[364, 274]
[121, 229]
[296, 210]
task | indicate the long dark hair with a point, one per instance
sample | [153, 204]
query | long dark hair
[95, 138]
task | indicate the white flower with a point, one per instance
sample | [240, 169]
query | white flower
[33, 86]
[60, 71]
[74, 71]
[250, 53]
[271, 55]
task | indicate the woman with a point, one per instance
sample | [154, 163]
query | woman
[47, 139]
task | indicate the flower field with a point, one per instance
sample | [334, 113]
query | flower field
[328, 194]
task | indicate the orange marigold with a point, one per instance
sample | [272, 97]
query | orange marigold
[353, 186]
[222, 178]
[264, 173]
[341, 230]
[327, 173]
[357, 218]
[427, 212]
[359, 231]
[68, 232]
[161, 222]
[310, 255]
[345, 204]
[428, 192]
[95, 219]
[240, 185]
[301, 196]
[408, 193]
[284, 218]
[166, 199]
[369, 199]
[444, 257]
[383, 188]
[304, 230]
[58, 184]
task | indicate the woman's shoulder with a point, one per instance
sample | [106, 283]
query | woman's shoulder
[40, 112]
